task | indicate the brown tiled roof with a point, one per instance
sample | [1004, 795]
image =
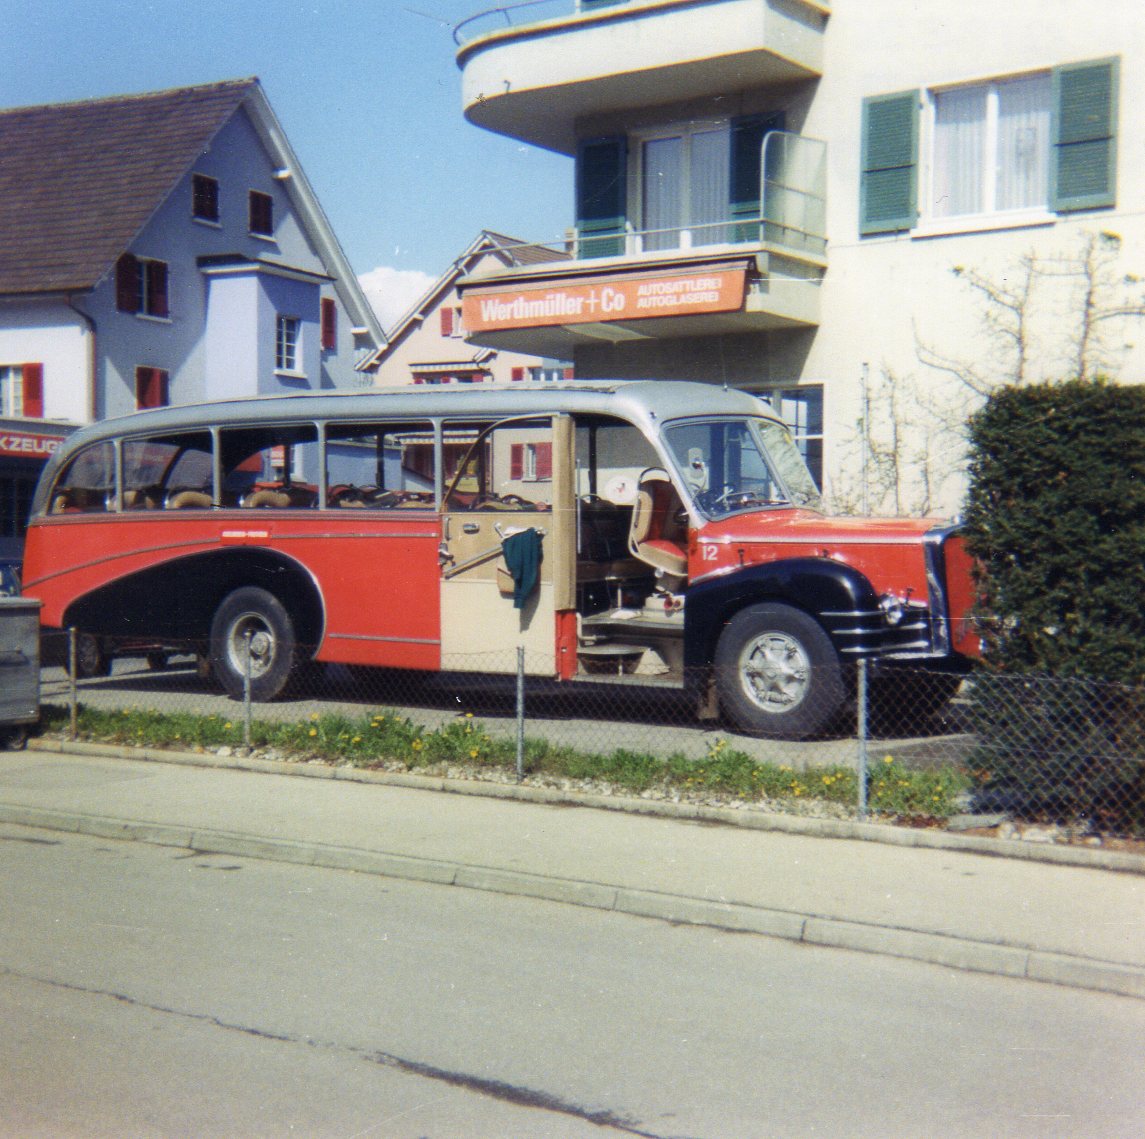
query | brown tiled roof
[78, 181]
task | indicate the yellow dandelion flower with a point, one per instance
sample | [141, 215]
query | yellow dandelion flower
[313, 731]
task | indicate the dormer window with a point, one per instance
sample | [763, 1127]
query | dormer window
[204, 198]
[261, 212]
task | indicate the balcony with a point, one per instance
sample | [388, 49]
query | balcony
[736, 274]
[531, 70]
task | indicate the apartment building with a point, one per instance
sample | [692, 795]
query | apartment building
[869, 213]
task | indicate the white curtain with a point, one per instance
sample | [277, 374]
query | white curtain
[959, 152]
[1023, 143]
[663, 172]
[709, 185]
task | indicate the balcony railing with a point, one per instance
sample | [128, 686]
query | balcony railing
[523, 13]
[791, 218]
[527, 12]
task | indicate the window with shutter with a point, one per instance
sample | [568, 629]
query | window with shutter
[1084, 167]
[261, 213]
[204, 198]
[446, 314]
[517, 461]
[888, 188]
[141, 286]
[601, 194]
[329, 324]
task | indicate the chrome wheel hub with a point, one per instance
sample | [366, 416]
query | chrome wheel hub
[775, 672]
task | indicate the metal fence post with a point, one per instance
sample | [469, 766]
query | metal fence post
[246, 691]
[520, 713]
[861, 731]
[73, 696]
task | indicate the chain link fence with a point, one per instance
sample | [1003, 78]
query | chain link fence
[909, 745]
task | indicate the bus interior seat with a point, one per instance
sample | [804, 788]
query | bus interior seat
[188, 500]
[655, 534]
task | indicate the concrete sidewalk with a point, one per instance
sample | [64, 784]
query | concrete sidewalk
[943, 902]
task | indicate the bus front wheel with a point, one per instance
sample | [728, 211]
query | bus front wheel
[253, 622]
[777, 673]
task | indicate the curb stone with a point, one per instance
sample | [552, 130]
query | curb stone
[936, 949]
[1090, 857]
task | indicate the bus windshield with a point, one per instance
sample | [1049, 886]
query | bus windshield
[735, 465]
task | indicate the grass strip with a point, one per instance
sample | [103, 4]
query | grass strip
[389, 741]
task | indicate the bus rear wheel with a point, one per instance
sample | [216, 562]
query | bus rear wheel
[777, 673]
[255, 621]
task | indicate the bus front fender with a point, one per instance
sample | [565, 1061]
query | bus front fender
[820, 587]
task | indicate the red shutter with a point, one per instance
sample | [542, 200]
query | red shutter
[157, 304]
[570, 373]
[150, 388]
[544, 460]
[329, 324]
[516, 460]
[517, 374]
[446, 321]
[33, 379]
[127, 298]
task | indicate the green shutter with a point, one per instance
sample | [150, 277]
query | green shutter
[1084, 162]
[888, 196]
[746, 196]
[601, 197]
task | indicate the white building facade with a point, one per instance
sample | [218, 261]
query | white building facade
[869, 212]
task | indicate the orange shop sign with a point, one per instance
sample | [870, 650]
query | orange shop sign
[629, 298]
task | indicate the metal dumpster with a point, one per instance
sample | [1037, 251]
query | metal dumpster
[19, 668]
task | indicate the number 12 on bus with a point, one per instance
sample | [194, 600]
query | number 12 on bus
[642, 532]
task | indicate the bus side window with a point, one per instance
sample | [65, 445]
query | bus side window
[173, 472]
[380, 467]
[87, 484]
[273, 466]
[510, 469]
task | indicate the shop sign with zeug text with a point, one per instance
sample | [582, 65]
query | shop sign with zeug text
[21, 445]
[623, 299]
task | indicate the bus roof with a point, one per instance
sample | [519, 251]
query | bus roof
[644, 402]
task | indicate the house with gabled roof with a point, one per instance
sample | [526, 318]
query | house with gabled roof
[162, 248]
[428, 344]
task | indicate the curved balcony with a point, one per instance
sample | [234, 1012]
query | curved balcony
[531, 70]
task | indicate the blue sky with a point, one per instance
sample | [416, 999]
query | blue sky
[367, 91]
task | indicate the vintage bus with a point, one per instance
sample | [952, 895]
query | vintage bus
[647, 532]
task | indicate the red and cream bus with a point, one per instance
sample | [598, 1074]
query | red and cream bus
[641, 532]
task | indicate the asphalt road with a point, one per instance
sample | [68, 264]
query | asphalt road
[146, 991]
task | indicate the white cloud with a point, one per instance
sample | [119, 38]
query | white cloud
[392, 292]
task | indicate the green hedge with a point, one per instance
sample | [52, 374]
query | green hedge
[1056, 518]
